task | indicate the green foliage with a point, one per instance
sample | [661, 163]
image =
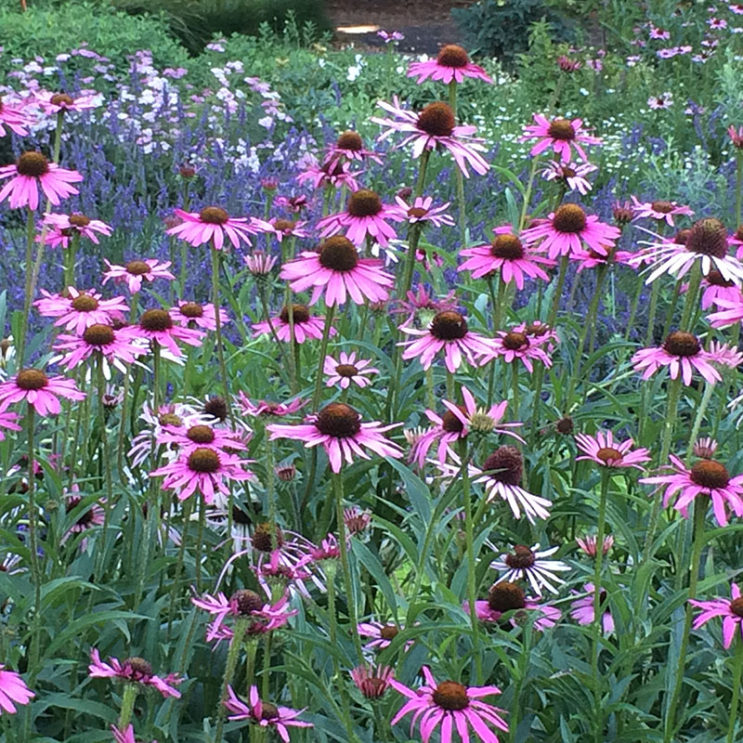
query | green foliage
[50, 30]
[500, 28]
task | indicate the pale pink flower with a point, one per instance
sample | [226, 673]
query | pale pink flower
[336, 271]
[451, 65]
[382, 634]
[658, 102]
[518, 345]
[135, 272]
[77, 310]
[731, 611]
[567, 229]
[435, 126]
[264, 714]
[372, 681]
[447, 332]
[158, 326]
[602, 449]
[449, 705]
[531, 564]
[125, 736]
[190, 436]
[422, 211]
[62, 227]
[281, 228]
[590, 259]
[306, 326]
[267, 408]
[334, 174]
[349, 146]
[340, 431]
[507, 254]
[212, 224]
[736, 136]
[8, 422]
[717, 289]
[14, 117]
[133, 670]
[260, 263]
[193, 314]
[348, 369]
[659, 210]
[588, 544]
[707, 477]
[572, 175]
[53, 103]
[13, 690]
[39, 391]
[31, 171]
[562, 135]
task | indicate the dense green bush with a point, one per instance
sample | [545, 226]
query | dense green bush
[47, 30]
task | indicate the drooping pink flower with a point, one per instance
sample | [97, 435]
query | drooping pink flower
[571, 175]
[590, 259]
[31, 171]
[659, 102]
[706, 242]
[450, 333]
[118, 346]
[717, 289]
[91, 515]
[193, 314]
[382, 634]
[158, 326]
[562, 135]
[706, 477]
[190, 436]
[267, 408]
[659, 210]
[8, 422]
[53, 103]
[456, 423]
[333, 174]
[589, 542]
[421, 210]
[263, 614]
[348, 369]
[504, 597]
[13, 690]
[736, 135]
[365, 217]
[264, 714]
[582, 609]
[435, 126]
[449, 705]
[372, 681]
[518, 345]
[14, 117]
[531, 564]
[39, 391]
[340, 431]
[682, 353]
[212, 224]
[731, 611]
[602, 449]
[506, 254]
[134, 670]
[76, 310]
[451, 65]
[125, 736]
[202, 469]
[306, 326]
[336, 271]
[62, 227]
[567, 229]
[260, 263]
[349, 146]
[281, 228]
[133, 273]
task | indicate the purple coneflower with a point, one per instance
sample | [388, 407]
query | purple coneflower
[340, 431]
[31, 171]
[421, 210]
[365, 217]
[62, 227]
[350, 146]
[158, 326]
[189, 437]
[8, 422]
[452, 64]
[372, 681]
[659, 210]
[77, 310]
[13, 690]
[449, 705]
[306, 326]
[268, 408]
[589, 542]
[264, 714]
[39, 391]
[348, 369]
[213, 224]
[435, 126]
[14, 117]
[507, 254]
[561, 135]
[517, 345]
[604, 451]
[53, 103]
[509, 597]
[336, 270]
[117, 346]
[571, 175]
[531, 564]
[193, 314]
[731, 611]
[582, 609]
[133, 670]
[135, 272]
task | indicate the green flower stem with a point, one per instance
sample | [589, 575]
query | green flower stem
[527, 194]
[674, 393]
[33, 544]
[127, 705]
[523, 665]
[469, 530]
[654, 290]
[184, 245]
[30, 234]
[345, 565]
[229, 671]
[262, 291]
[187, 506]
[695, 279]
[329, 313]
[633, 310]
[57, 146]
[597, 618]
[251, 649]
[515, 388]
[671, 310]
[738, 187]
[106, 456]
[737, 670]
[415, 230]
[199, 541]
[461, 202]
[700, 510]
[69, 261]
[216, 261]
[561, 275]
